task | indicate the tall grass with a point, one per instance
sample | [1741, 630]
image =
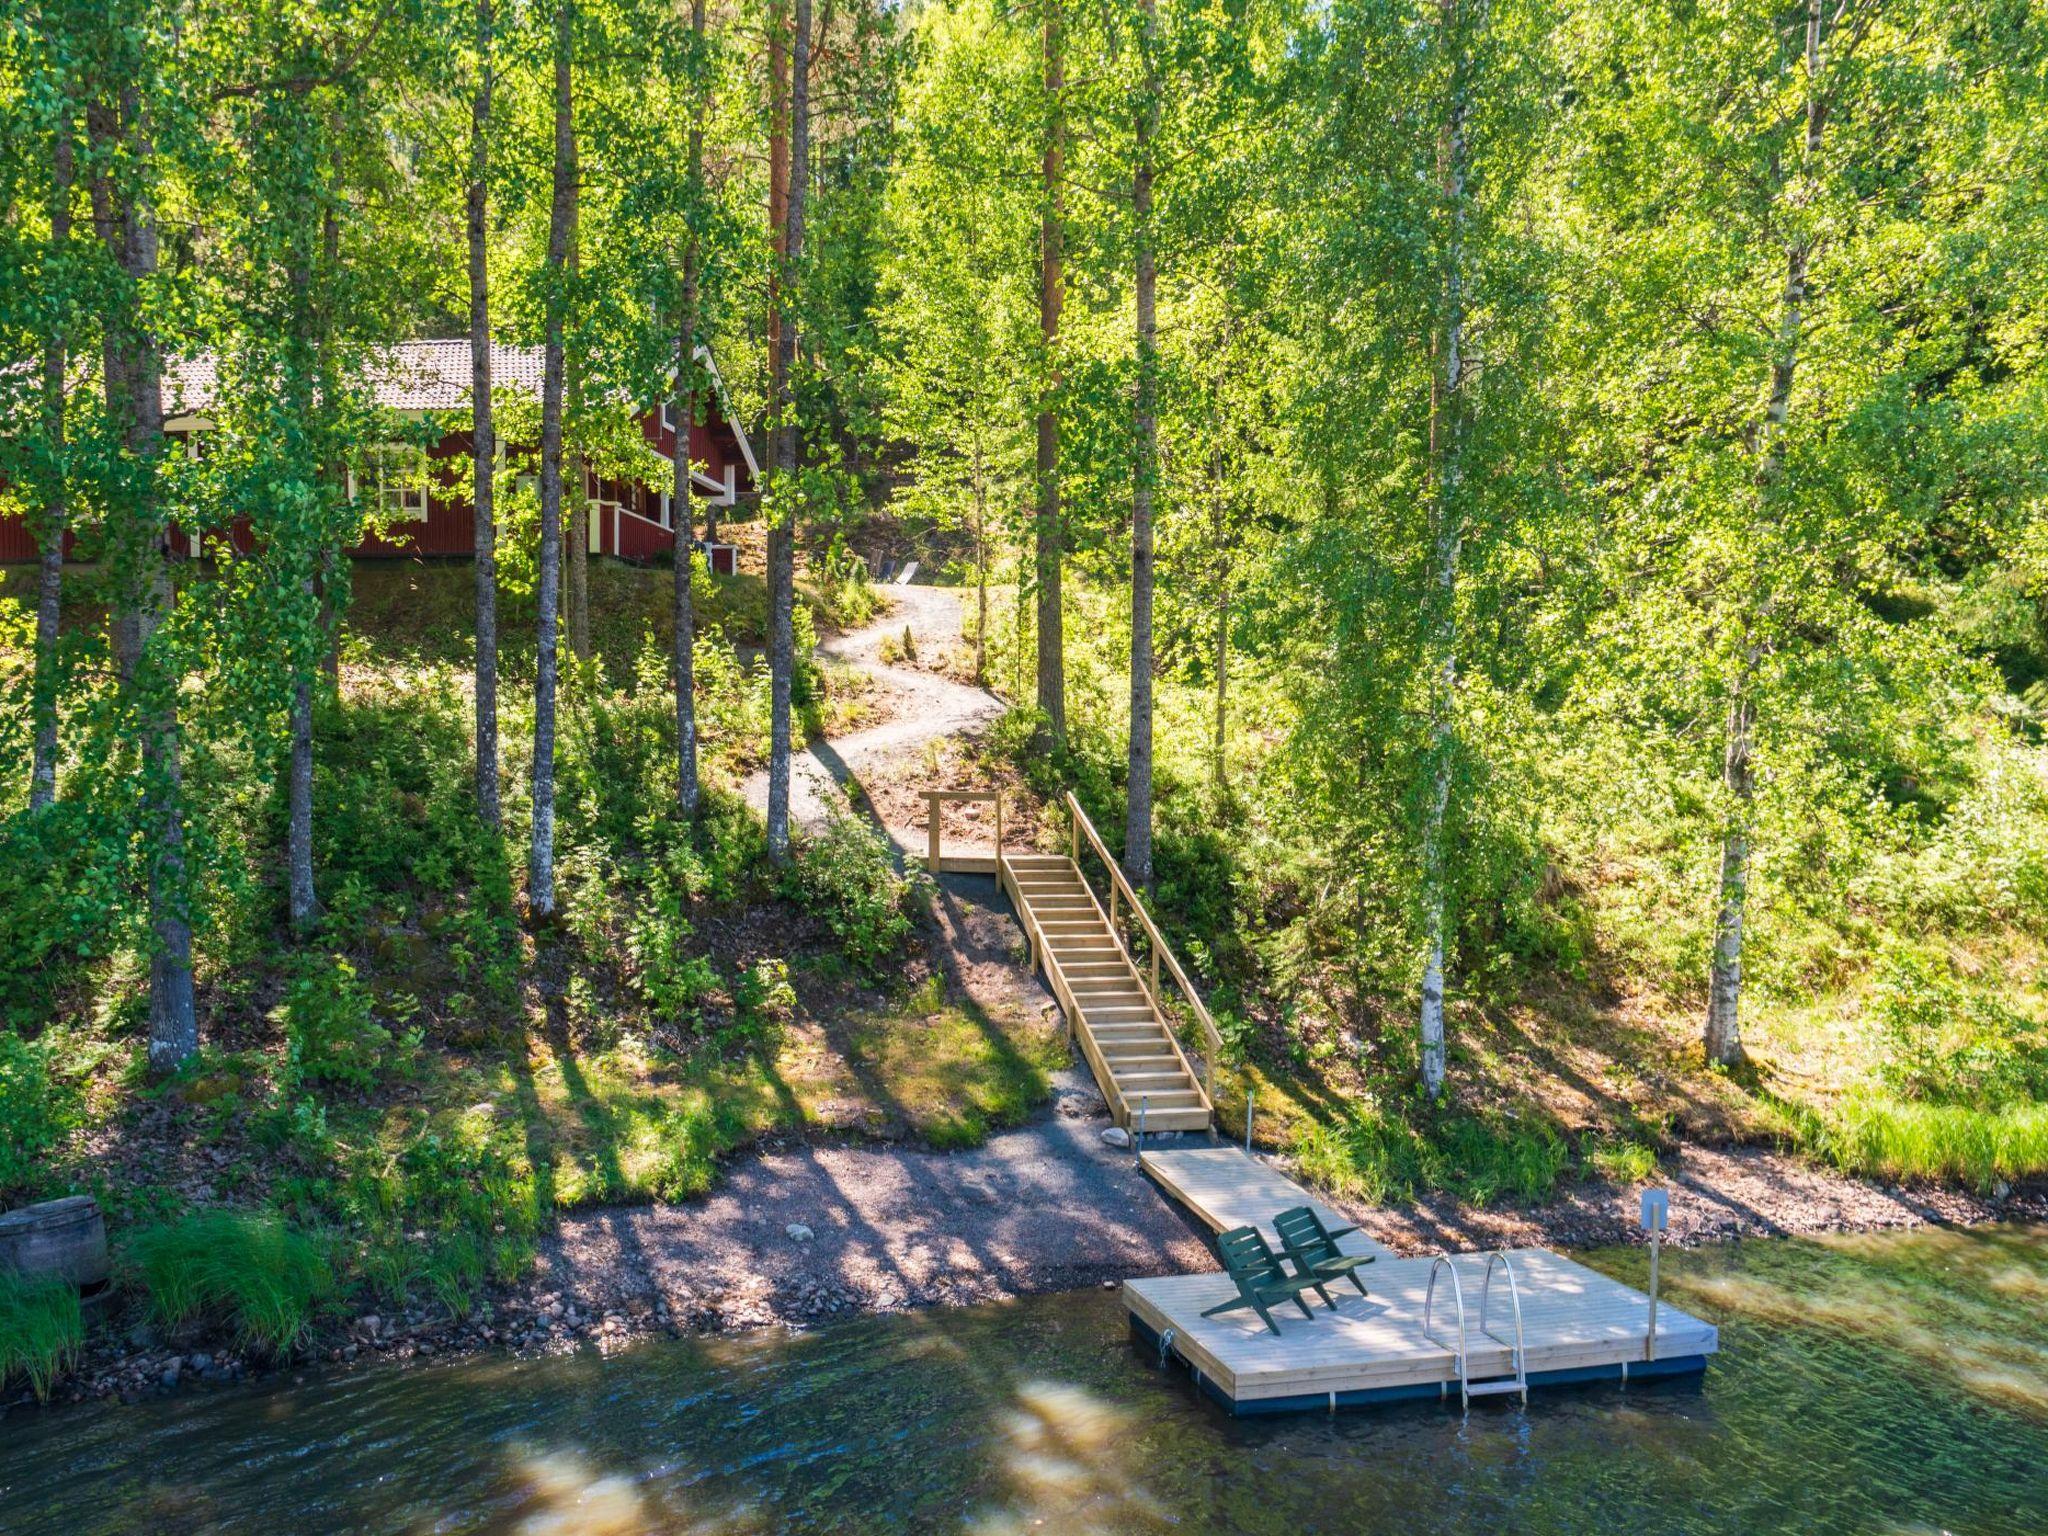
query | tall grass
[1899, 1139]
[1379, 1157]
[252, 1272]
[41, 1331]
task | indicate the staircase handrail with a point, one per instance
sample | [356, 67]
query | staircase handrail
[1162, 952]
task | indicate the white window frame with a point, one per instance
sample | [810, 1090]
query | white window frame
[394, 499]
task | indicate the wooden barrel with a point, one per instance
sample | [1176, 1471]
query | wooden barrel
[66, 1237]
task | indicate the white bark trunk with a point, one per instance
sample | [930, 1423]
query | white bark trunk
[1447, 532]
[540, 864]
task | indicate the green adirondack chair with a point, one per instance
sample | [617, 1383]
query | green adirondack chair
[1312, 1249]
[1261, 1282]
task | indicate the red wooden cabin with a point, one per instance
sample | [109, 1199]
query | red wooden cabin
[417, 378]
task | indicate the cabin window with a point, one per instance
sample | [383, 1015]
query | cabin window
[394, 481]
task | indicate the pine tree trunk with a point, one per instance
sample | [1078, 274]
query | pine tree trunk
[141, 552]
[1052, 667]
[688, 790]
[1447, 528]
[1723, 1033]
[782, 531]
[42, 784]
[1138, 806]
[540, 864]
[483, 430]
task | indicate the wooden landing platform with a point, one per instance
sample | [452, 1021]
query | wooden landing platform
[1578, 1325]
[1228, 1187]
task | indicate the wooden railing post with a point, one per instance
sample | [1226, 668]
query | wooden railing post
[932, 805]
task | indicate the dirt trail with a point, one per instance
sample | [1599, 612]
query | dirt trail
[917, 707]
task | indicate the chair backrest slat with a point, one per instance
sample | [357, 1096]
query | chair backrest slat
[1245, 1252]
[1302, 1228]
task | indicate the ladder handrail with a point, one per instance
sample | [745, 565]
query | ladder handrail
[1443, 1262]
[1162, 952]
[1516, 1357]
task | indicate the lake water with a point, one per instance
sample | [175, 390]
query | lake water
[1876, 1384]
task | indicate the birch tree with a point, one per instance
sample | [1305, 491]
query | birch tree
[540, 867]
[483, 440]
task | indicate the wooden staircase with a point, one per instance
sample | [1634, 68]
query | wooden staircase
[1113, 1005]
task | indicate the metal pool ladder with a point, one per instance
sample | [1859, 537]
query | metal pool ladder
[1468, 1389]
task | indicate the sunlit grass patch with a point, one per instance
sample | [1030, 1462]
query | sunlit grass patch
[1898, 1139]
[41, 1331]
[1620, 1160]
[1381, 1157]
[953, 1074]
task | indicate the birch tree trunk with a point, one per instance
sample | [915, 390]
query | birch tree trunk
[42, 783]
[141, 551]
[782, 531]
[980, 568]
[1723, 1033]
[1052, 667]
[577, 528]
[688, 790]
[483, 433]
[540, 864]
[1138, 805]
[1446, 536]
[1219, 531]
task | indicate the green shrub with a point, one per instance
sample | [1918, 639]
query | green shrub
[762, 1001]
[41, 1331]
[1947, 1043]
[331, 1034]
[38, 1110]
[253, 1273]
[847, 876]
[61, 901]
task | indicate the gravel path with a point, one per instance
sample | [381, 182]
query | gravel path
[916, 706]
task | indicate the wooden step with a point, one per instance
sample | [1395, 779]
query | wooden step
[1138, 1032]
[1157, 1119]
[1154, 1083]
[1166, 1100]
[1102, 1020]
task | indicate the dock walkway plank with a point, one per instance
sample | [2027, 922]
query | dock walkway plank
[1228, 1187]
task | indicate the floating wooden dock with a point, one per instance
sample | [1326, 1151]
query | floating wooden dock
[1577, 1325]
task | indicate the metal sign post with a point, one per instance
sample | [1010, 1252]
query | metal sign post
[1656, 1216]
